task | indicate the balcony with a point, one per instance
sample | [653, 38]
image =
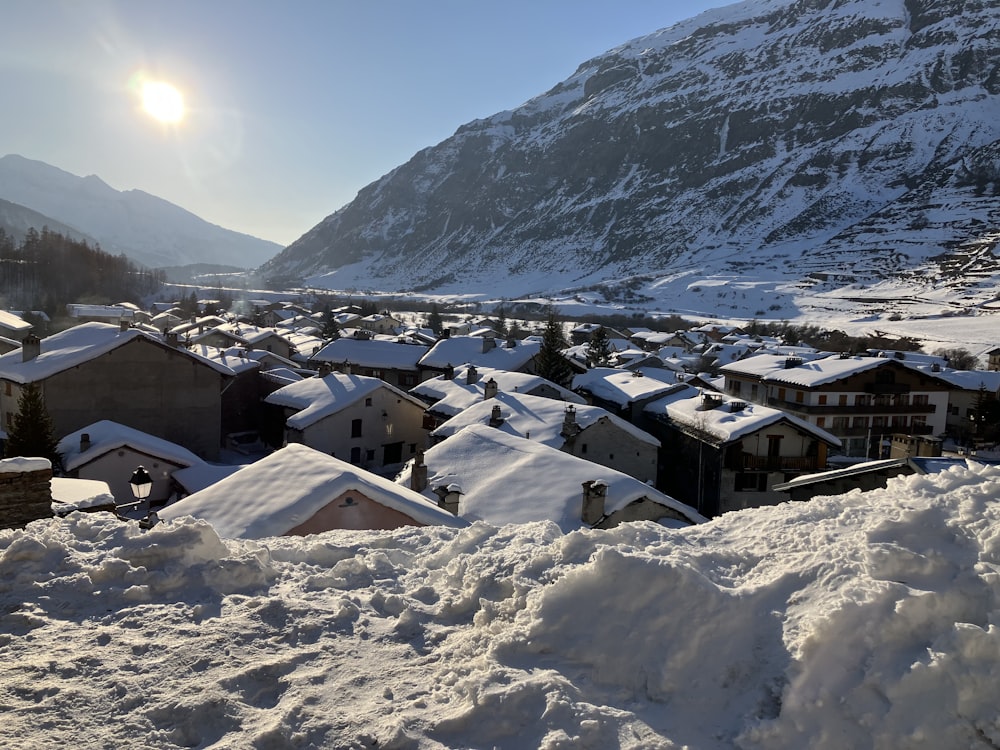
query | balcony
[882, 388]
[851, 410]
[881, 430]
[787, 464]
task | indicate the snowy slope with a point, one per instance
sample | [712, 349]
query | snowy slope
[147, 229]
[859, 621]
[761, 154]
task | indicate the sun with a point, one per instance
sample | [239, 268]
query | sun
[162, 101]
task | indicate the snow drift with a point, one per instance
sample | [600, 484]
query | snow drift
[867, 620]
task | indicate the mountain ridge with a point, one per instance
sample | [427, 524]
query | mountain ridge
[741, 143]
[149, 230]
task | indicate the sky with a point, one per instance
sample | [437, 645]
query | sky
[292, 107]
[867, 620]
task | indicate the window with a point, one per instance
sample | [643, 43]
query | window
[862, 400]
[840, 423]
[842, 401]
[920, 399]
[368, 401]
[6, 388]
[751, 481]
[822, 399]
[821, 421]
[781, 394]
[369, 455]
[583, 448]
[413, 448]
[799, 397]
[355, 455]
[355, 428]
[860, 422]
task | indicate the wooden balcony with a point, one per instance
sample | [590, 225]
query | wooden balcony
[787, 464]
[851, 410]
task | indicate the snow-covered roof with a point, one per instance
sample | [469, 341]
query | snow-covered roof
[507, 479]
[535, 417]
[233, 357]
[622, 387]
[728, 419]
[13, 322]
[375, 354]
[450, 396]
[78, 345]
[283, 490]
[317, 398]
[106, 436]
[69, 494]
[20, 464]
[457, 350]
[968, 380]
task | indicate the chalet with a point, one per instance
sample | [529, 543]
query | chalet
[588, 432]
[380, 323]
[97, 371]
[861, 400]
[721, 454]
[298, 491]
[485, 474]
[361, 419]
[624, 392]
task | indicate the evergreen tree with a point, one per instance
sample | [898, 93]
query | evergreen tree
[434, 321]
[599, 348]
[551, 364]
[331, 330]
[502, 321]
[31, 433]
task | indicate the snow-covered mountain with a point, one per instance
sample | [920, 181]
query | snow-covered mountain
[16, 220]
[755, 156]
[147, 229]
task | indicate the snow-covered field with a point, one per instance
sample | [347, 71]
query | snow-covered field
[860, 621]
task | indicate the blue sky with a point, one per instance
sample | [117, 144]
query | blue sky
[291, 106]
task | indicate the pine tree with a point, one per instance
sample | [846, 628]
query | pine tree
[331, 330]
[551, 364]
[599, 349]
[31, 433]
[434, 321]
[502, 321]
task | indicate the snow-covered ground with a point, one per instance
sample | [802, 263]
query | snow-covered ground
[859, 621]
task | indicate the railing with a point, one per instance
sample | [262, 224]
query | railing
[849, 410]
[779, 463]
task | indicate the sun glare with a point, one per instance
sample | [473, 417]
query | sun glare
[162, 101]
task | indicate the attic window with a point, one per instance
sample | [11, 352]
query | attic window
[368, 401]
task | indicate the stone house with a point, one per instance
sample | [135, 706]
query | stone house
[97, 371]
[359, 419]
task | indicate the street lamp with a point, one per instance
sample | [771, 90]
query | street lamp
[141, 483]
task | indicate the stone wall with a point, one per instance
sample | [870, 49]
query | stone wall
[25, 491]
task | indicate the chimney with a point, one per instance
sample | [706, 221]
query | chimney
[449, 372]
[488, 343]
[172, 339]
[471, 376]
[418, 473]
[31, 347]
[84, 442]
[570, 426]
[324, 369]
[122, 325]
[448, 497]
[346, 369]
[490, 389]
[594, 495]
[495, 417]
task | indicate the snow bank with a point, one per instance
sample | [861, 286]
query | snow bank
[867, 620]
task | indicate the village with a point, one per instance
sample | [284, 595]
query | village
[288, 421]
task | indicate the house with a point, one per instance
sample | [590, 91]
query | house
[969, 388]
[395, 363]
[458, 389]
[624, 392]
[381, 323]
[297, 491]
[479, 351]
[588, 432]
[248, 336]
[360, 419]
[97, 371]
[582, 333]
[721, 454]
[861, 400]
[993, 359]
[484, 474]
[109, 452]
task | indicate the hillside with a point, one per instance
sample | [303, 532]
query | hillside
[770, 155]
[149, 230]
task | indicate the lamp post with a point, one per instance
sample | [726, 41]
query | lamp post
[141, 484]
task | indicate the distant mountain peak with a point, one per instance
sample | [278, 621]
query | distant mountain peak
[805, 147]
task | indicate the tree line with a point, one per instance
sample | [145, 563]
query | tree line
[47, 270]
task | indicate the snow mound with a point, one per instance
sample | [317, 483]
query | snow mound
[867, 620]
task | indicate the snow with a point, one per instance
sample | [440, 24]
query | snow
[70, 494]
[288, 487]
[862, 621]
[507, 478]
[106, 436]
[18, 465]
